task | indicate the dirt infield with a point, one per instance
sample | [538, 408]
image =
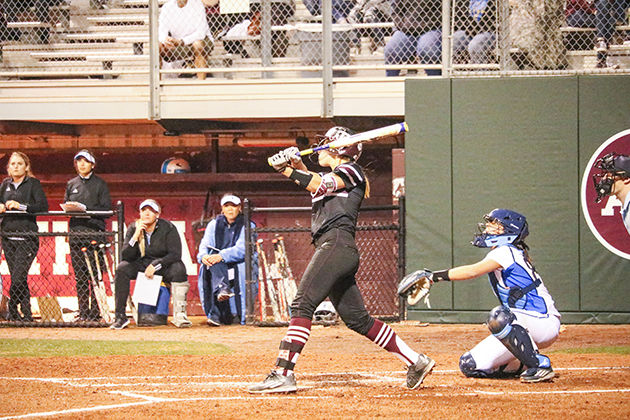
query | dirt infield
[340, 375]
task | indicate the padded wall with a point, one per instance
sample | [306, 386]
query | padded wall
[521, 143]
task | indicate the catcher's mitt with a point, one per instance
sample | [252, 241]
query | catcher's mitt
[416, 286]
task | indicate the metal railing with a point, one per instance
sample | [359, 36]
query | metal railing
[263, 39]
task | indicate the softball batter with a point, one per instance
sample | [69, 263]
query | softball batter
[336, 198]
[527, 318]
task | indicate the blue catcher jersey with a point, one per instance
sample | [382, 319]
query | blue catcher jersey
[516, 272]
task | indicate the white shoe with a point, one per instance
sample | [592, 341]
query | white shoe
[274, 383]
[181, 321]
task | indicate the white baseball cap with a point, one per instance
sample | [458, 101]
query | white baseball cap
[229, 198]
[86, 155]
[150, 203]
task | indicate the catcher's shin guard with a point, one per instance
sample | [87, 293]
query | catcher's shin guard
[513, 336]
[180, 319]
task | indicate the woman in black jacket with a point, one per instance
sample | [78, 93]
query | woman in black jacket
[90, 190]
[20, 192]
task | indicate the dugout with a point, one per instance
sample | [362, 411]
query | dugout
[523, 143]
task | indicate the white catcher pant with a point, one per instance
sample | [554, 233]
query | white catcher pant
[490, 353]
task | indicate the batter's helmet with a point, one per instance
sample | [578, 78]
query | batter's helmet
[610, 166]
[175, 166]
[515, 229]
[336, 133]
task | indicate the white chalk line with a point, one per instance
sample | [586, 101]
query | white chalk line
[259, 375]
[154, 401]
[368, 378]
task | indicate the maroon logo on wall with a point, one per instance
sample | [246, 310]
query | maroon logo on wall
[604, 218]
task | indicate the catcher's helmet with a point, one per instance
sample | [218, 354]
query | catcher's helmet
[325, 313]
[514, 224]
[337, 133]
[610, 166]
[175, 166]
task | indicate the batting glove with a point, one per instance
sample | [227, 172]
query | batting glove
[293, 154]
[279, 161]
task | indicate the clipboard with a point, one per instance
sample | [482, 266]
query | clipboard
[73, 206]
[146, 290]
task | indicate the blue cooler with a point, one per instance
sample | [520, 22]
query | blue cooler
[155, 315]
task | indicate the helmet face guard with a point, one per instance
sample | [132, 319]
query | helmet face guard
[610, 166]
[337, 133]
[514, 225]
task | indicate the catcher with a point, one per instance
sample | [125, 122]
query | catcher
[525, 320]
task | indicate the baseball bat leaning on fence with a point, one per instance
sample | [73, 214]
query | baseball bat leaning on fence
[99, 273]
[283, 281]
[261, 286]
[377, 133]
[271, 290]
[103, 251]
[112, 283]
[278, 280]
[101, 296]
[290, 283]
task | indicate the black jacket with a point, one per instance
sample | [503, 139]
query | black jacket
[30, 194]
[164, 249]
[94, 193]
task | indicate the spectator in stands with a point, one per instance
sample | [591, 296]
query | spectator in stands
[184, 32]
[418, 35]
[86, 191]
[602, 15]
[20, 192]
[479, 22]
[372, 11]
[340, 9]
[222, 282]
[152, 245]
[239, 25]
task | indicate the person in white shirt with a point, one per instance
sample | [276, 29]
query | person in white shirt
[184, 32]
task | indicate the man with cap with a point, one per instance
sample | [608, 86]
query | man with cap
[90, 191]
[222, 282]
[152, 245]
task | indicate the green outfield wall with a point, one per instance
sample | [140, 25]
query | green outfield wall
[521, 143]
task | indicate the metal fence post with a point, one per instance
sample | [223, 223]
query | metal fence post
[247, 212]
[120, 217]
[446, 38]
[402, 304]
[154, 62]
[327, 60]
[265, 37]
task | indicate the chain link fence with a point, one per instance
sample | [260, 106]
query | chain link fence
[379, 238]
[58, 277]
[239, 39]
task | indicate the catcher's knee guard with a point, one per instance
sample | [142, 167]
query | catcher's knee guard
[468, 366]
[513, 336]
